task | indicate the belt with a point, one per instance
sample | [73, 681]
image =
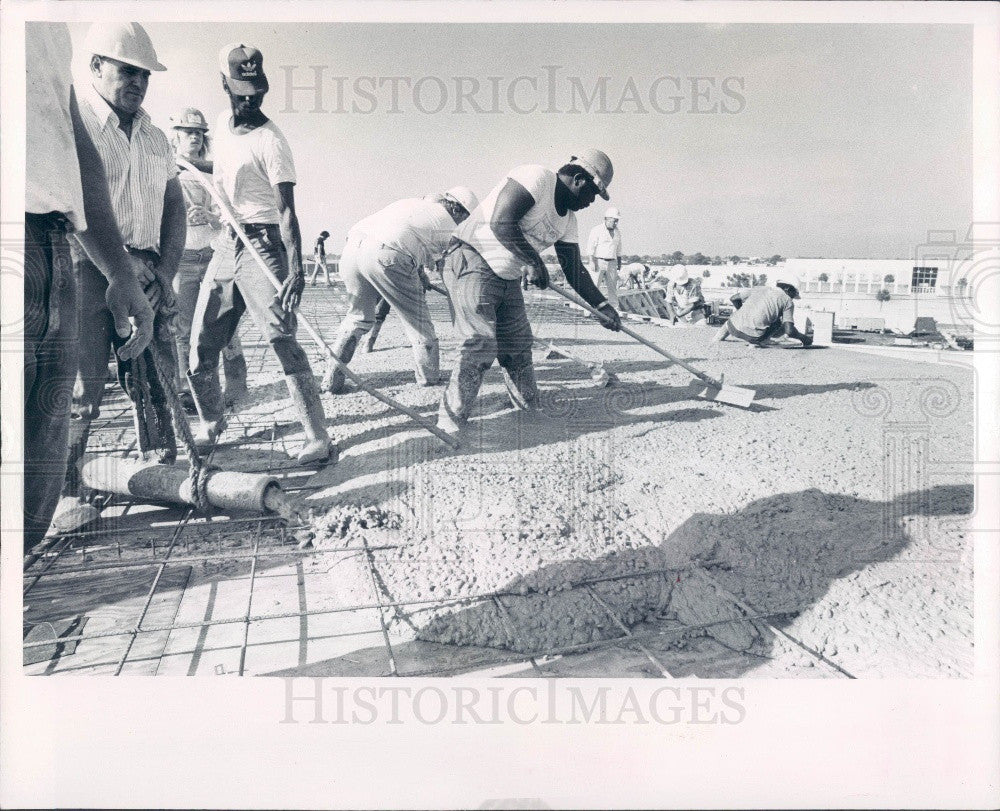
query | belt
[51, 221]
[251, 227]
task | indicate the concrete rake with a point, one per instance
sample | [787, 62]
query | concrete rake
[715, 390]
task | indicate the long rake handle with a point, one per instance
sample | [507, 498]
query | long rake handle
[231, 220]
[704, 378]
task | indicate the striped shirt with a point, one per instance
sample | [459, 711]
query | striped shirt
[137, 168]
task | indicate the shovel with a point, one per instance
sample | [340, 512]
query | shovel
[715, 390]
[598, 373]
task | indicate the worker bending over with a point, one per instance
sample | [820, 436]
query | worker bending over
[529, 211]
[382, 259]
[684, 297]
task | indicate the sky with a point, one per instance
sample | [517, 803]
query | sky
[803, 140]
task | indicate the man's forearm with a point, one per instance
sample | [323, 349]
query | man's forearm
[173, 229]
[576, 274]
[292, 237]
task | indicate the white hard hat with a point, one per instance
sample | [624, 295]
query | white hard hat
[679, 274]
[598, 165]
[190, 118]
[787, 278]
[124, 42]
[465, 196]
[612, 214]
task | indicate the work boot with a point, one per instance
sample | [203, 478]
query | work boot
[373, 336]
[207, 395]
[72, 513]
[521, 387]
[334, 379]
[305, 398]
[235, 368]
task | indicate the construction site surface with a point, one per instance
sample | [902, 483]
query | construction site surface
[632, 529]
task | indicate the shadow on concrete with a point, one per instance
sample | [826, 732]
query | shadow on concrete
[778, 556]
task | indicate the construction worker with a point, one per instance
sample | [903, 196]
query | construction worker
[605, 249]
[65, 194]
[255, 171]
[634, 275]
[383, 257]
[763, 313]
[684, 297]
[190, 141]
[529, 211]
[149, 210]
[319, 258]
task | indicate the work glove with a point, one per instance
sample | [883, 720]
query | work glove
[610, 319]
[538, 275]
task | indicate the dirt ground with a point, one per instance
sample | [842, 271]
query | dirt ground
[835, 508]
[632, 530]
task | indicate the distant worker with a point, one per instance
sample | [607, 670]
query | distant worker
[634, 275]
[319, 258]
[605, 249]
[531, 210]
[684, 297]
[382, 258]
[763, 313]
[65, 194]
[190, 140]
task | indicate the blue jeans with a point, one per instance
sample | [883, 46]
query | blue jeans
[492, 324]
[220, 308]
[51, 338]
[372, 274]
[187, 283]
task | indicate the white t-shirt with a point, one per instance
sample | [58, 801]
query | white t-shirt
[53, 170]
[542, 225]
[249, 166]
[416, 226]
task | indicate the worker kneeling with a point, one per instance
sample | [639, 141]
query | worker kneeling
[382, 260]
[763, 313]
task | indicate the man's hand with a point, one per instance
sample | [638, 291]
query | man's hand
[291, 291]
[610, 319]
[197, 215]
[125, 299]
[538, 275]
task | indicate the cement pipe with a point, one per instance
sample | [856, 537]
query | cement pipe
[151, 481]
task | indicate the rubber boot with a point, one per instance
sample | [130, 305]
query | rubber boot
[305, 399]
[521, 387]
[373, 336]
[334, 379]
[235, 368]
[207, 395]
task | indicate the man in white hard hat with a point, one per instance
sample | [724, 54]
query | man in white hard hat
[529, 211]
[254, 170]
[149, 211]
[684, 297]
[765, 312]
[382, 258]
[190, 141]
[66, 197]
[605, 249]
